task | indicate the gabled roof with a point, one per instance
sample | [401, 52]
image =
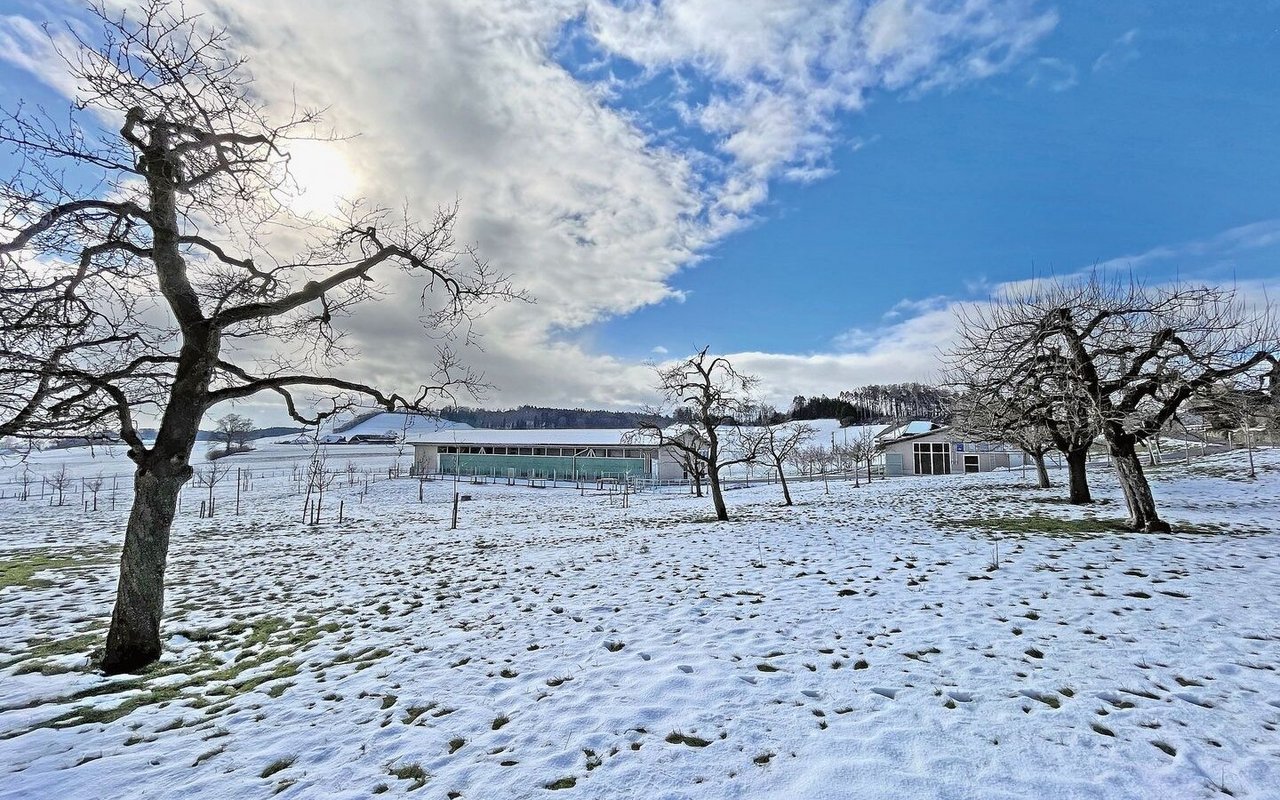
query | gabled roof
[912, 430]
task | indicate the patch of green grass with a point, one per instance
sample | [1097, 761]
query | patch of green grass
[19, 570]
[499, 721]
[676, 737]
[195, 674]
[410, 772]
[413, 712]
[276, 766]
[456, 744]
[48, 648]
[1041, 523]
[562, 783]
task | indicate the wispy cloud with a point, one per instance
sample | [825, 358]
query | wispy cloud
[1222, 246]
[591, 191]
[1122, 51]
[1053, 74]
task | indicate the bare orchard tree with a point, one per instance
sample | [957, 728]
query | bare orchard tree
[1135, 354]
[778, 446]
[694, 467]
[59, 482]
[94, 485]
[233, 430]
[715, 398]
[132, 251]
[996, 419]
[210, 476]
[1242, 409]
[863, 448]
[1009, 397]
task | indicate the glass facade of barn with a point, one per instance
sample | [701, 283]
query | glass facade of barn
[545, 462]
[932, 458]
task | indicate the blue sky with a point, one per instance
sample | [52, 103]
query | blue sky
[807, 186]
[1129, 129]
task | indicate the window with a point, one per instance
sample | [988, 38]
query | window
[635, 453]
[526, 451]
[539, 451]
[932, 458]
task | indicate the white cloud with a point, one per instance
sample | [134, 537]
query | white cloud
[1053, 74]
[1223, 246]
[589, 207]
[1121, 51]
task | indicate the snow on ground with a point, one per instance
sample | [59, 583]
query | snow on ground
[401, 424]
[865, 643]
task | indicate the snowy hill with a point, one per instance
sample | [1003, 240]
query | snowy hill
[397, 423]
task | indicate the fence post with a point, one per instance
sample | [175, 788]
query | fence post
[454, 525]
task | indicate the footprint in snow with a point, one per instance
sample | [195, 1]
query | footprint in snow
[1193, 699]
[892, 694]
[810, 693]
[961, 697]
[685, 668]
[644, 656]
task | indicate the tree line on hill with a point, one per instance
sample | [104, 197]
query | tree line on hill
[888, 402]
[528, 417]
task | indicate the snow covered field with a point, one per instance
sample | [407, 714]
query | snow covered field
[866, 643]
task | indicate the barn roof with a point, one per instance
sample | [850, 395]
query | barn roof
[551, 437]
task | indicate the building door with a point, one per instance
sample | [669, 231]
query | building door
[893, 466]
[971, 463]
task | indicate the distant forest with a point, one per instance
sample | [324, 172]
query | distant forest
[878, 403]
[534, 417]
[867, 404]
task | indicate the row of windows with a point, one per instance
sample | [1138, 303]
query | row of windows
[932, 458]
[562, 452]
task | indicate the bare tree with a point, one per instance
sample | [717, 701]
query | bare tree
[210, 476]
[59, 481]
[779, 445]
[988, 418]
[694, 467]
[1134, 355]
[119, 293]
[1240, 408]
[863, 448]
[25, 479]
[94, 485]
[1007, 397]
[715, 398]
[233, 431]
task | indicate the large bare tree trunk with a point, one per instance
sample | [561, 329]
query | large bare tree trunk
[133, 640]
[1042, 470]
[1078, 476]
[786, 493]
[717, 497]
[1137, 491]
